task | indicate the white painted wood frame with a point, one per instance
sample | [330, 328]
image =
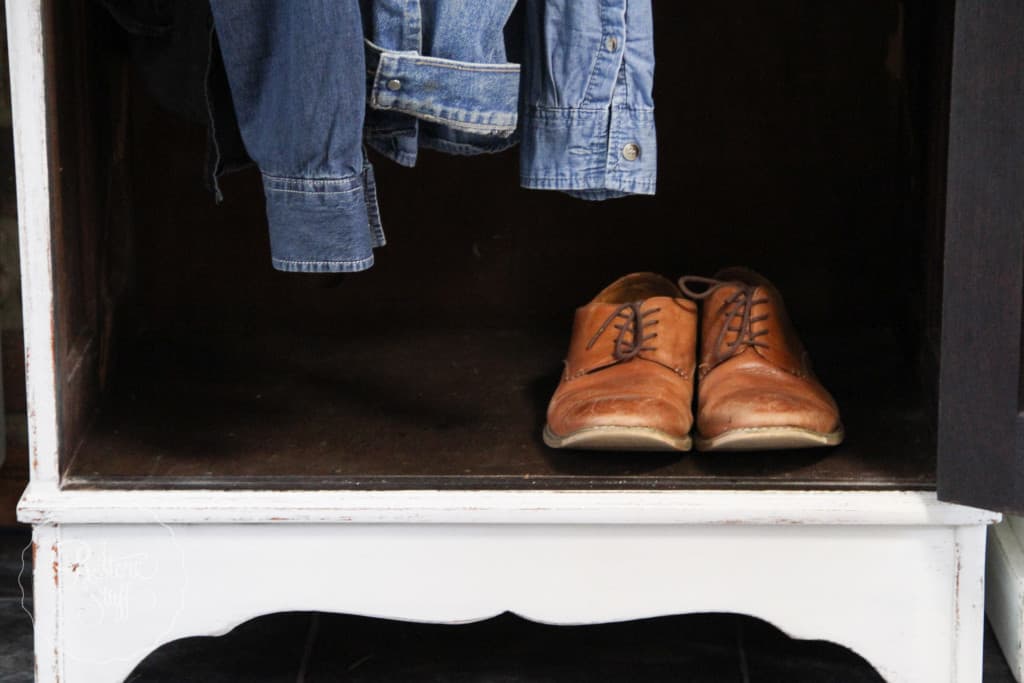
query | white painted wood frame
[896, 576]
[31, 154]
[1004, 599]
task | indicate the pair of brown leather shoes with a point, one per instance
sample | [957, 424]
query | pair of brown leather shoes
[630, 372]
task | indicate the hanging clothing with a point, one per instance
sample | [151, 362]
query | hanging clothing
[588, 105]
[312, 79]
[439, 77]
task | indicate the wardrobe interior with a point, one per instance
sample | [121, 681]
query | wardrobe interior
[800, 138]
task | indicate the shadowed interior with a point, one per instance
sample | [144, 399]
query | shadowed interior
[790, 141]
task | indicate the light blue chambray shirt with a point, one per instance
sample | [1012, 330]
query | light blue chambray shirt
[311, 80]
[587, 123]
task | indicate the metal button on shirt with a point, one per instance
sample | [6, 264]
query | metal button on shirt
[630, 151]
[394, 84]
[611, 44]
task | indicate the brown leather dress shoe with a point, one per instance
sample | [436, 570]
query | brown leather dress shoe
[628, 380]
[756, 389]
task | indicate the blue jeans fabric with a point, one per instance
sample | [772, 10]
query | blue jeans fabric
[439, 77]
[588, 119]
[295, 69]
[313, 79]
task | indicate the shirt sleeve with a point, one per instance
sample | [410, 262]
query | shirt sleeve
[296, 69]
[587, 98]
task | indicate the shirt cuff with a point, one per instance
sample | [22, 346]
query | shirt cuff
[479, 98]
[323, 225]
[590, 153]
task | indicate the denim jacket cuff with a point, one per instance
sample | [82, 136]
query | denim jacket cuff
[589, 153]
[323, 225]
[473, 97]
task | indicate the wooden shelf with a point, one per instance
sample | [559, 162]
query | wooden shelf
[443, 409]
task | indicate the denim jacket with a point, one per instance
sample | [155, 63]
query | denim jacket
[438, 76]
[588, 109]
[312, 80]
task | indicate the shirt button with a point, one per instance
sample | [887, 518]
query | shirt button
[611, 44]
[630, 151]
[394, 84]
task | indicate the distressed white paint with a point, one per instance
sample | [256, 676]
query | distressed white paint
[1005, 591]
[969, 601]
[723, 507]
[905, 597]
[46, 603]
[31, 154]
[897, 577]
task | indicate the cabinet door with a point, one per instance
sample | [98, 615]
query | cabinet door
[980, 429]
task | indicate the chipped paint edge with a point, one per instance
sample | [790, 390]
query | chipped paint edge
[47, 605]
[47, 505]
[968, 602]
[31, 153]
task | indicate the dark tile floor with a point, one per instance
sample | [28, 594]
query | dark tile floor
[15, 624]
[305, 647]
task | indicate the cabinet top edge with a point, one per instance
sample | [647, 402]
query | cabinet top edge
[43, 504]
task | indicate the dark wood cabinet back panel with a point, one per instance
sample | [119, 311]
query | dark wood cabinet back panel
[780, 147]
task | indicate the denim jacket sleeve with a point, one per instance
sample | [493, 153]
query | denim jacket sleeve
[296, 71]
[588, 106]
[439, 77]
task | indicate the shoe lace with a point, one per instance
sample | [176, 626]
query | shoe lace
[633, 326]
[739, 316]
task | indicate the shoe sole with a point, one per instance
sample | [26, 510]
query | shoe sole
[769, 439]
[613, 438]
